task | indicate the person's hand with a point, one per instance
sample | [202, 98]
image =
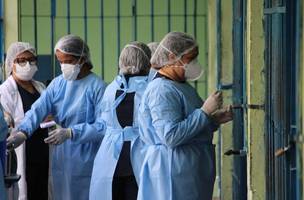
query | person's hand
[213, 102]
[15, 140]
[9, 119]
[223, 115]
[58, 136]
[48, 118]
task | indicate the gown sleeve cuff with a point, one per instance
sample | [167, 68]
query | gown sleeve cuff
[213, 126]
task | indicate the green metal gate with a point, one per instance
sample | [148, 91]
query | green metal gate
[107, 25]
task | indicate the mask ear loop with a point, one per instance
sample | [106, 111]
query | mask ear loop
[81, 54]
[177, 58]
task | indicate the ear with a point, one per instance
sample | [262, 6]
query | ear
[13, 68]
[82, 60]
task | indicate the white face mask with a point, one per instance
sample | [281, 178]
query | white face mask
[193, 70]
[70, 71]
[26, 72]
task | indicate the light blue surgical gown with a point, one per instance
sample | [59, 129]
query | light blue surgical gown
[76, 105]
[151, 74]
[109, 151]
[180, 158]
[3, 133]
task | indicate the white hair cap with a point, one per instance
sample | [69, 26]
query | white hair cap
[135, 59]
[153, 46]
[13, 51]
[74, 45]
[177, 43]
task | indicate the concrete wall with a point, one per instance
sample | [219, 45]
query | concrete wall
[256, 96]
[11, 22]
[226, 77]
[224, 56]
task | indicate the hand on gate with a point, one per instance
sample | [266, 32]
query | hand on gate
[213, 103]
[223, 115]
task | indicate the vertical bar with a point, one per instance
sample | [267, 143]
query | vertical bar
[85, 21]
[218, 78]
[2, 42]
[270, 179]
[298, 31]
[1, 37]
[185, 16]
[53, 14]
[19, 21]
[152, 20]
[244, 90]
[35, 25]
[134, 16]
[118, 28]
[169, 15]
[206, 58]
[69, 16]
[102, 37]
[239, 163]
[195, 30]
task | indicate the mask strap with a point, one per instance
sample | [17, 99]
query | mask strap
[177, 58]
[162, 46]
[81, 53]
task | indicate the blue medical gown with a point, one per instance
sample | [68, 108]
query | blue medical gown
[76, 105]
[180, 158]
[3, 133]
[109, 151]
[151, 74]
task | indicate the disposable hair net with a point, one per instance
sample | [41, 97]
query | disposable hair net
[74, 45]
[135, 59]
[13, 51]
[153, 46]
[177, 43]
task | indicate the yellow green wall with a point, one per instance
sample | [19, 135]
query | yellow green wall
[256, 96]
[227, 78]
[11, 22]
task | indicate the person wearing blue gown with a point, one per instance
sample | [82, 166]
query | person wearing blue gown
[177, 126]
[118, 161]
[3, 134]
[152, 46]
[73, 99]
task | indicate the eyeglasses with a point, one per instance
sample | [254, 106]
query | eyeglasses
[23, 61]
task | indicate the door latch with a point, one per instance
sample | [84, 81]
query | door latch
[239, 152]
[249, 106]
[281, 151]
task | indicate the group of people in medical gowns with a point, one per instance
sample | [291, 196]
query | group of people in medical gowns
[147, 135]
